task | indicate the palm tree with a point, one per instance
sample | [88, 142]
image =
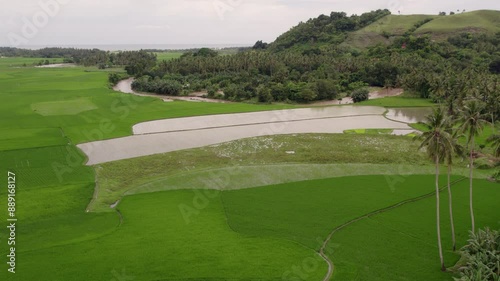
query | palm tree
[437, 140]
[454, 148]
[495, 143]
[473, 122]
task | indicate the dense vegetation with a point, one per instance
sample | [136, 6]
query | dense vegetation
[312, 62]
[332, 29]
[308, 63]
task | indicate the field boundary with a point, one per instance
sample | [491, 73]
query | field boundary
[331, 266]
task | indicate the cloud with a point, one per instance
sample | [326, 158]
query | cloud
[153, 27]
[194, 21]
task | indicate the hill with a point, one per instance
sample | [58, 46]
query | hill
[476, 21]
[382, 27]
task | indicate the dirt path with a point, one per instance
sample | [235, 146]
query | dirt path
[322, 253]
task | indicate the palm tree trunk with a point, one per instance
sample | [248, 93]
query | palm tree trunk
[438, 220]
[471, 168]
[450, 204]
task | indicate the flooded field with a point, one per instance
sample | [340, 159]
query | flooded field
[184, 133]
[408, 115]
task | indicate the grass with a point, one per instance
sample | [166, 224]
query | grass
[395, 25]
[42, 117]
[401, 234]
[369, 131]
[168, 55]
[57, 94]
[118, 177]
[31, 138]
[439, 27]
[69, 107]
[269, 231]
[281, 212]
[483, 20]
[58, 240]
[168, 247]
[391, 25]
[262, 161]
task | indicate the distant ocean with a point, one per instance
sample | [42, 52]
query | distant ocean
[135, 47]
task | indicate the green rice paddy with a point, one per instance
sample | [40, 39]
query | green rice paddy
[244, 210]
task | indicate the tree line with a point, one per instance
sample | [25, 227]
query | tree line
[417, 64]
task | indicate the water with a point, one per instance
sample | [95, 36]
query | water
[322, 117]
[183, 133]
[409, 115]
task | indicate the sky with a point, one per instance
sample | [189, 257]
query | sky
[228, 22]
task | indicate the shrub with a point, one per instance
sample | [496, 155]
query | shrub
[483, 257]
[360, 95]
[114, 78]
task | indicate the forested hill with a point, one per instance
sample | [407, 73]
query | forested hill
[325, 29]
[339, 30]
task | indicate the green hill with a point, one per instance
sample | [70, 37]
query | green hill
[381, 27]
[382, 30]
[477, 21]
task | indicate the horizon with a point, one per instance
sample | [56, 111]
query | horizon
[175, 22]
[136, 47]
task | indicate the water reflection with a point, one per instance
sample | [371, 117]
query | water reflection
[409, 115]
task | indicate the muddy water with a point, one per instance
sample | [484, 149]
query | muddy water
[125, 86]
[183, 133]
[254, 118]
[408, 115]
[149, 144]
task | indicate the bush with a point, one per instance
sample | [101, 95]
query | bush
[484, 163]
[483, 257]
[114, 78]
[360, 95]
[212, 91]
[158, 86]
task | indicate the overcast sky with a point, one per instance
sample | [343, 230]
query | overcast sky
[91, 22]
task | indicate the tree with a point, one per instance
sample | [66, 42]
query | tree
[442, 13]
[206, 52]
[259, 45]
[264, 94]
[360, 95]
[454, 149]
[473, 121]
[438, 142]
[326, 89]
[494, 141]
[494, 66]
[307, 95]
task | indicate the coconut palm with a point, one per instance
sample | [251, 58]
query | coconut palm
[473, 121]
[438, 142]
[495, 143]
[454, 148]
